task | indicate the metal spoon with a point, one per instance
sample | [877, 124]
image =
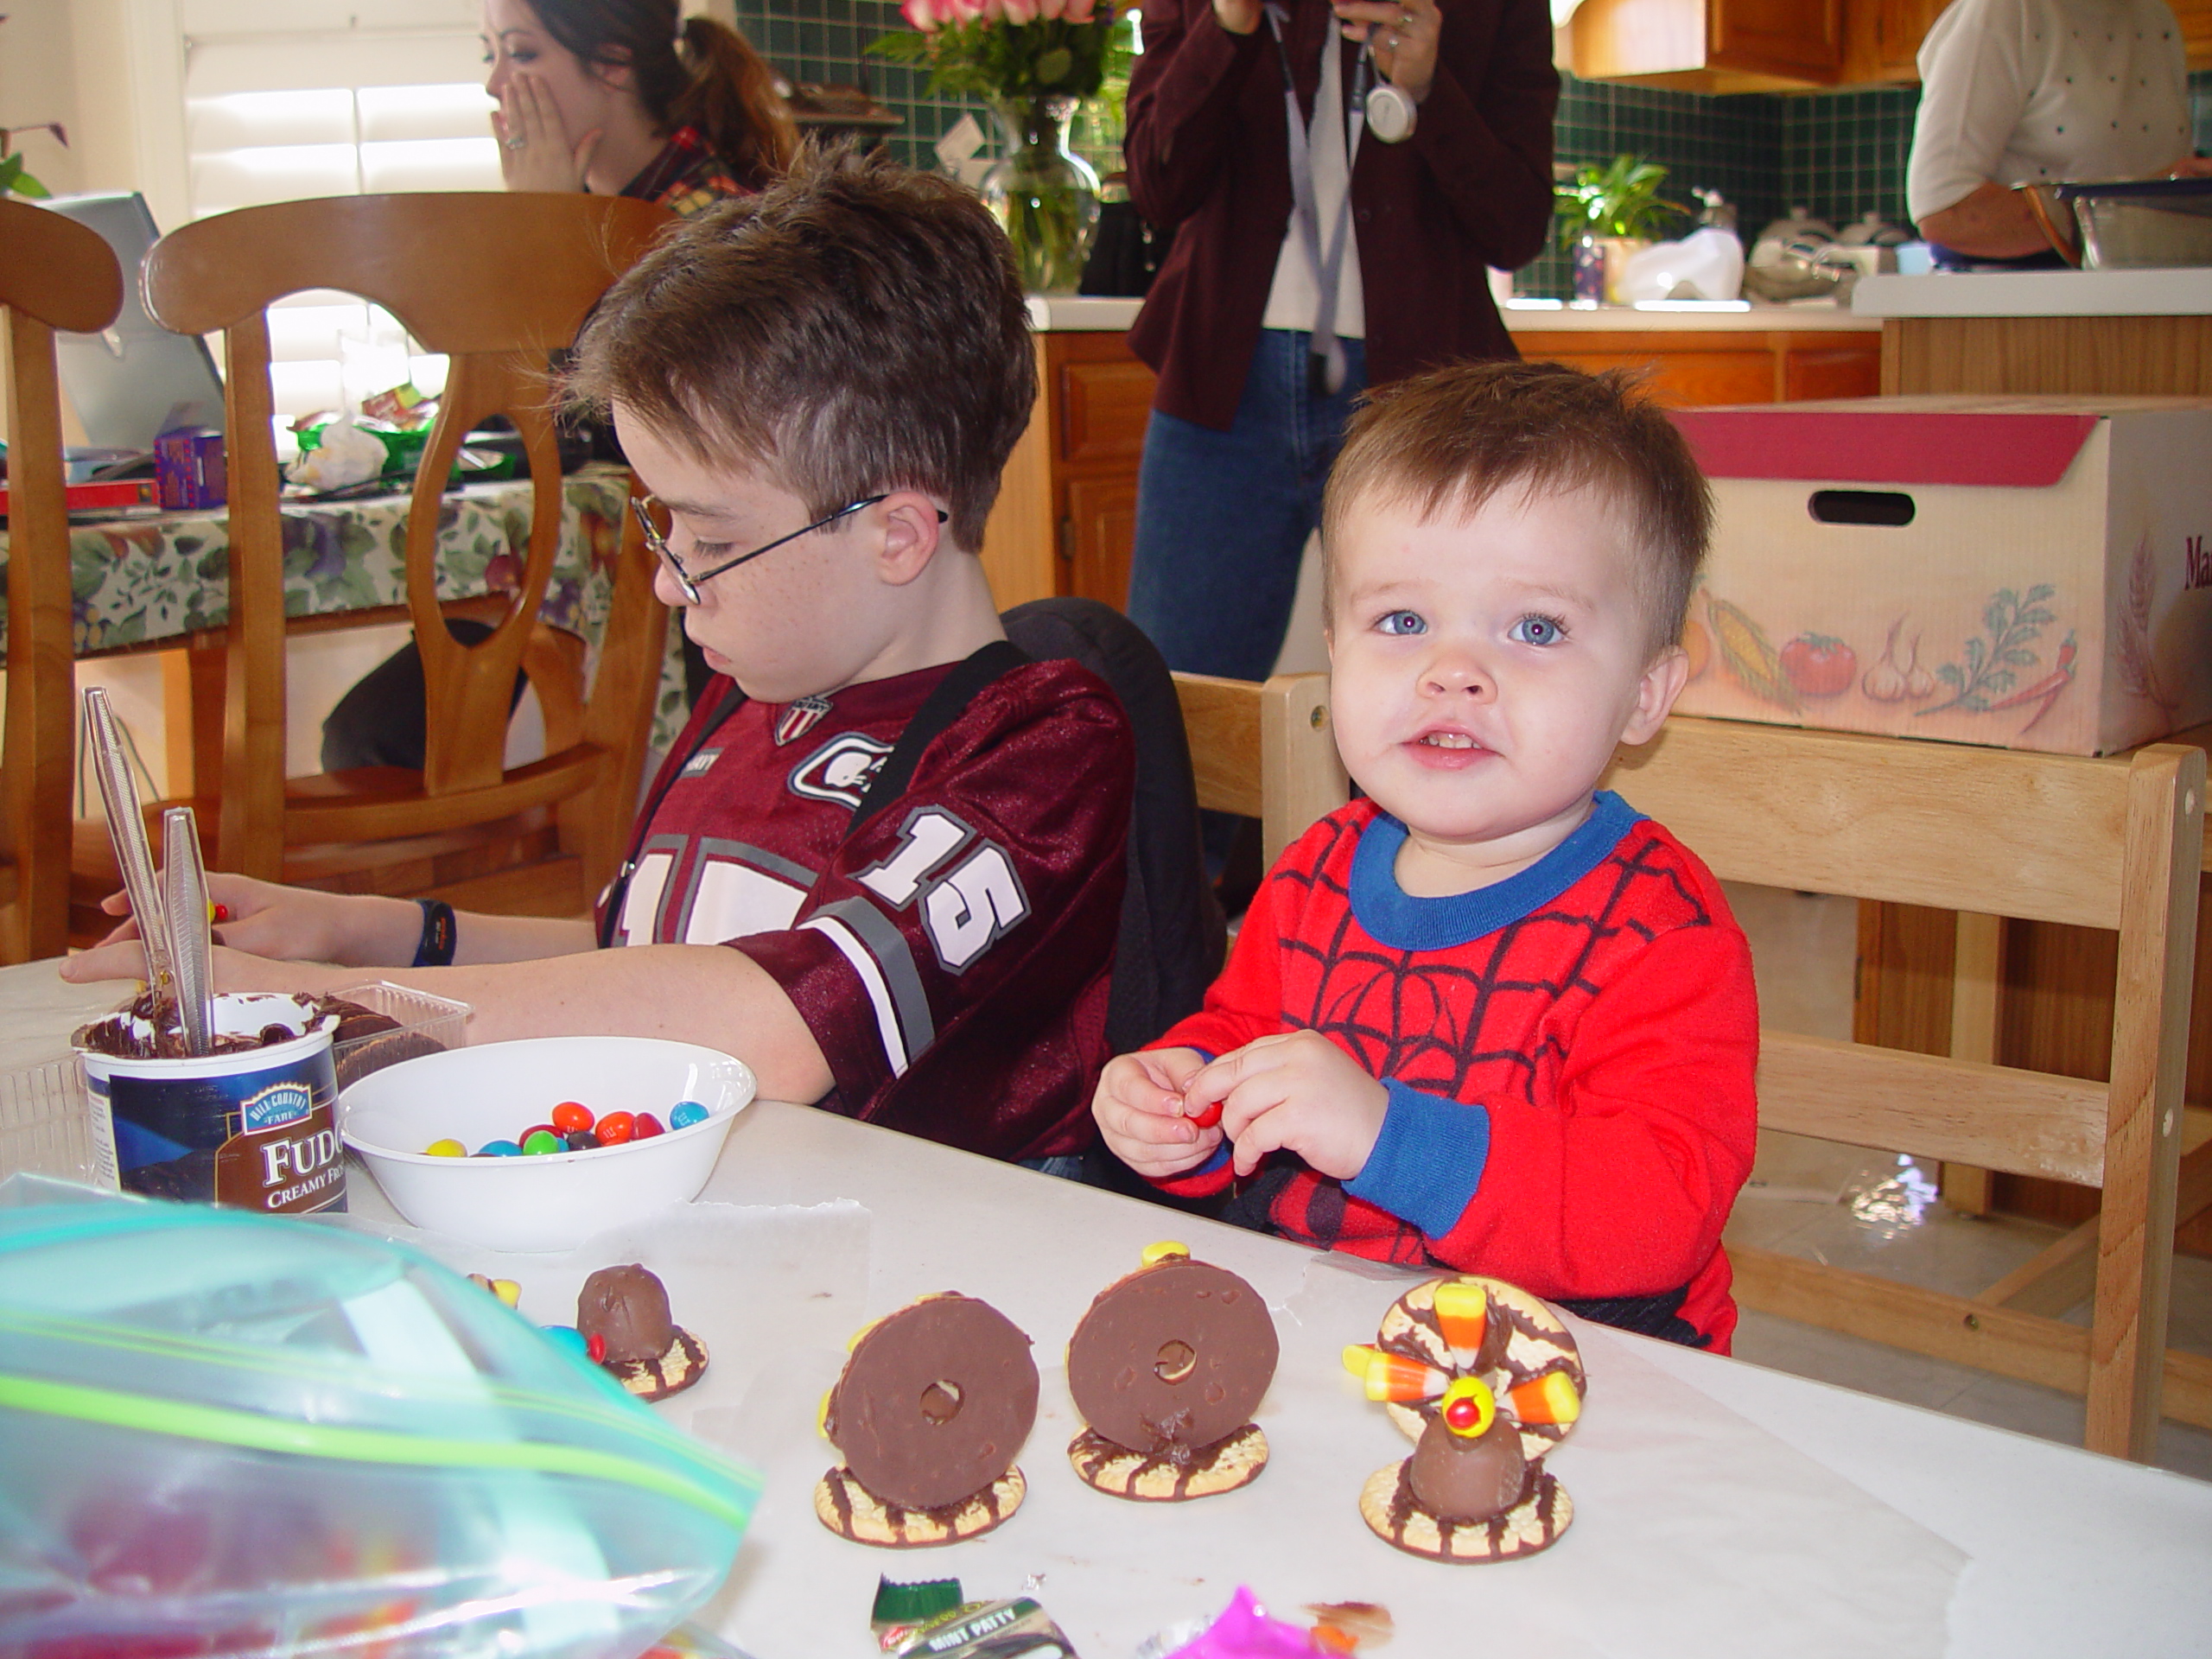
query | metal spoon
[126, 827]
[184, 891]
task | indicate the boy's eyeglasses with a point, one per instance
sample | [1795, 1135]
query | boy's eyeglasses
[689, 585]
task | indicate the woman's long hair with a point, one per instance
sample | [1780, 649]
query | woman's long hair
[714, 81]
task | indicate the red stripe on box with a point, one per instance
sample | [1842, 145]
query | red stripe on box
[2017, 450]
[87, 498]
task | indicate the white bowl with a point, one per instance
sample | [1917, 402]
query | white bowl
[547, 1201]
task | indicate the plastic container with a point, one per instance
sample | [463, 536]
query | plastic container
[240, 1434]
[424, 1020]
[1709, 263]
[252, 1130]
[551, 1201]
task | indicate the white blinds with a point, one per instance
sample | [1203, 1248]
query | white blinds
[336, 111]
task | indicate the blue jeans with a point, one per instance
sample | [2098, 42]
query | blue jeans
[1222, 517]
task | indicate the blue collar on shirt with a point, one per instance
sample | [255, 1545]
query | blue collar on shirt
[1394, 917]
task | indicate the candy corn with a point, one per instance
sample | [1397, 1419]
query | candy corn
[1550, 1399]
[1393, 1377]
[1167, 1249]
[1462, 1317]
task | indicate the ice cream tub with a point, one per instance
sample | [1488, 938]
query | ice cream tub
[251, 1126]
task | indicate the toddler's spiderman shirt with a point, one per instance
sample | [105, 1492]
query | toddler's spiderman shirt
[1569, 1055]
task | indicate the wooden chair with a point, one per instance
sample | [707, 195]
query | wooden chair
[1264, 751]
[2111, 843]
[53, 273]
[496, 282]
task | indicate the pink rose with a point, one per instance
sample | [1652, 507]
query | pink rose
[1020, 11]
[1080, 11]
[922, 14]
[1049, 9]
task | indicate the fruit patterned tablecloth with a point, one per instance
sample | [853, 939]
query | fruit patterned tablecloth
[137, 583]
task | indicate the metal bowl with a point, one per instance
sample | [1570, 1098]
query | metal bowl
[2143, 223]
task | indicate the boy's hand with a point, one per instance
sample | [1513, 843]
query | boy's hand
[264, 919]
[1140, 1112]
[1299, 1091]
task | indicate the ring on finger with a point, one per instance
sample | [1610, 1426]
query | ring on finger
[516, 143]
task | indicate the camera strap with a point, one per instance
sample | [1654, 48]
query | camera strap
[1325, 364]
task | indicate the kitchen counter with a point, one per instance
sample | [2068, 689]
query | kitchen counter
[1062, 314]
[2038, 294]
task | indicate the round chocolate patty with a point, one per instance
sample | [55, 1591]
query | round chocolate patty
[935, 1403]
[1177, 1354]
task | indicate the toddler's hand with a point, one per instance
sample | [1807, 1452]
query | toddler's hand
[1298, 1091]
[1139, 1110]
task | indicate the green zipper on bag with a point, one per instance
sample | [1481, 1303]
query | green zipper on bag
[253, 1431]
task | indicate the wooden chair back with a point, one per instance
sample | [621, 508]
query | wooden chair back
[2110, 843]
[1265, 751]
[54, 273]
[497, 283]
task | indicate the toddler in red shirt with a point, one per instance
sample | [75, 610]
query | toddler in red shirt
[1488, 1017]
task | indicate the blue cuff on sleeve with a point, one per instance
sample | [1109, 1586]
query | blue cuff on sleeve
[1428, 1161]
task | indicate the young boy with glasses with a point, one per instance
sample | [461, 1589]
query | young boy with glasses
[819, 386]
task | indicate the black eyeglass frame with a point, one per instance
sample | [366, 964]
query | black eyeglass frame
[689, 585]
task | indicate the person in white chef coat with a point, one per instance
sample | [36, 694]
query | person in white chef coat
[2019, 95]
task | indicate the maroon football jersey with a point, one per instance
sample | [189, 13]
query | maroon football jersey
[951, 958]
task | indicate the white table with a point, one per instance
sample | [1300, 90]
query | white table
[1721, 1509]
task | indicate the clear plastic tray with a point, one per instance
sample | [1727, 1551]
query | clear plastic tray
[46, 1112]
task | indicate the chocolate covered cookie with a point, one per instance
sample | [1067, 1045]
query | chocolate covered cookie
[1167, 1368]
[931, 1410]
[1487, 1380]
[624, 1316]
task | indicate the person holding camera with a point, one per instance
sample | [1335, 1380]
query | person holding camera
[1338, 178]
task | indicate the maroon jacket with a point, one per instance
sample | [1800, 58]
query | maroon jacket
[1207, 154]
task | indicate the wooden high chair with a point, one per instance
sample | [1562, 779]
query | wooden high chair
[2110, 843]
[54, 274]
[1264, 751]
[497, 281]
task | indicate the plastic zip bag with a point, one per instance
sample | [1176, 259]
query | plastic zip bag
[225, 1434]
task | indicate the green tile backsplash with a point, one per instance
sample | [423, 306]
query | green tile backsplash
[1840, 154]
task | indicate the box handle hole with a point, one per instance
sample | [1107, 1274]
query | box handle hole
[1892, 507]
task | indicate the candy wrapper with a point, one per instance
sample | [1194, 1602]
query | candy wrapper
[1243, 1631]
[987, 1629]
[344, 453]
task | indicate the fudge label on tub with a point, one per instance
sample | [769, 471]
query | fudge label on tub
[261, 1140]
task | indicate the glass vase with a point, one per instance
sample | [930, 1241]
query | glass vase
[1045, 196]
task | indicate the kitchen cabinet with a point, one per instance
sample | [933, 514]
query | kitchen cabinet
[1709, 45]
[1695, 369]
[1066, 514]
[2196, 19]
[1881, 41]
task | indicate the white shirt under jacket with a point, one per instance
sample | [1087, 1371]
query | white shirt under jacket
[2019, 91]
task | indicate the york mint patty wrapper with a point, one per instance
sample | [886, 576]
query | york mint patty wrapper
[253, 1129]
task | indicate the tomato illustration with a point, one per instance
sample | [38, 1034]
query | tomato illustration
[1818, 666]
[1697, 645]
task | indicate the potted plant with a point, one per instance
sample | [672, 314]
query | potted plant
[1031, 61]
[1611, 210]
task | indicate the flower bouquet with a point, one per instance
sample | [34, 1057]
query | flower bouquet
[1031, 61]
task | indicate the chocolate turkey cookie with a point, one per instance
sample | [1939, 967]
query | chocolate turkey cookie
[1499, 1333]
[1167, 1368]
[932, 1409]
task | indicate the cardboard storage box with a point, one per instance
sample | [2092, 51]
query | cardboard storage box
[2032, 573]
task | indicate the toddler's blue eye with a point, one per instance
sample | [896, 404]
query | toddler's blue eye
[1536, 631]
[1403, 622]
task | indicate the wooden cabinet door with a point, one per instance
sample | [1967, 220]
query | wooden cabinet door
[1839, 370]
[1097, 536]
[1686, 371]
[1802, 39]
[1881, 40]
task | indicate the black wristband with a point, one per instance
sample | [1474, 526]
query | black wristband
[438, 935]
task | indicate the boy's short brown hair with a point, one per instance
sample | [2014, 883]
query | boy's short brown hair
[857, 327]
[1451, 438]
